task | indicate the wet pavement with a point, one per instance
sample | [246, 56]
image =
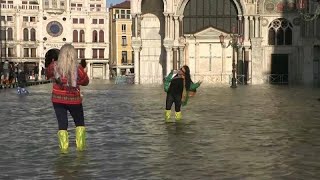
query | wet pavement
[252, 132]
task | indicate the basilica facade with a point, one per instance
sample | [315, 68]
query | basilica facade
[29, 28]
[267, 40]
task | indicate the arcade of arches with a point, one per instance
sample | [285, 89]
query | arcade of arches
[170, 33]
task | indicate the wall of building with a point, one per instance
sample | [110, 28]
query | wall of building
[54, 26]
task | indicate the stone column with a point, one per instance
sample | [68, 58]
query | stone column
[251, 27]
[256, 26]
[136, 45]
[18, 35]
[175, 58]
[168, 58]
[248, 65]
[246, 28]
[181, 56]
[240, 25]
[181, 25]
[166, 34]
[196, 57]
[104, 71]
[171, 26]
[107, 71]
[176, 27]
[118, 71]
[257, 61]
[134, 25]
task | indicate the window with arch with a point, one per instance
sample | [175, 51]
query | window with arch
[82, 37]
[25, 34]
[94, 36]
[101, 36]
[75, 36]
[201, 14]
[10, 34]
[280, 32]
[33, 34]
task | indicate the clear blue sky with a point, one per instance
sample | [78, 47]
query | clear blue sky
[114, 2]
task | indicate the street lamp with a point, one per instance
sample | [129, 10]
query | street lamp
[235, 42]
[303, 9]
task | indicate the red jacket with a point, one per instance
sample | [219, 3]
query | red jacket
[64, 94]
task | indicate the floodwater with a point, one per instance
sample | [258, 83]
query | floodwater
[252, 132]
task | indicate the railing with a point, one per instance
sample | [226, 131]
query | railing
[240, 79]
[126, 79]
[29, 83]
[7, 6]
[277, 78]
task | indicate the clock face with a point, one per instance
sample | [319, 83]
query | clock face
[54, 28]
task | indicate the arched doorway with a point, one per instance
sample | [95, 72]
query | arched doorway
[152, 62]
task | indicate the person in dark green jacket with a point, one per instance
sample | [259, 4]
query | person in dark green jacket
[178, 86]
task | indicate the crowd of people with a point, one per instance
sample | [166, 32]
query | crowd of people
[10, 72]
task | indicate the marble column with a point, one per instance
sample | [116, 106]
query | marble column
[176, 27]
[171, 26]
[181, 56]
[136, 65]
[181, 25]
[256, 26]
[168, 58]
[166, 15]
[251, 27]
[196, 57]
[175, 58]
[246, 28]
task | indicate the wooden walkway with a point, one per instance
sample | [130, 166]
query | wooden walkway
[29, 83]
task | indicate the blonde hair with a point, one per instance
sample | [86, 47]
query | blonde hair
[67, 64]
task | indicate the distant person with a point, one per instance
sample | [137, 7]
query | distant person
[67, 77]
[22, 82]
[178, 86]
[6, 71]
[36, 72]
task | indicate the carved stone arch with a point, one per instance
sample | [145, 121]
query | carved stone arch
[239, 4]
[140, 4]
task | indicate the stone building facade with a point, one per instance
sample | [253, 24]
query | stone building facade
[278, 45]
[29, 28]
[121, 53]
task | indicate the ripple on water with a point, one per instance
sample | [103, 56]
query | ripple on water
[252, 132]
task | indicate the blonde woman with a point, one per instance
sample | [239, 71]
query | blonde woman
[67, 77]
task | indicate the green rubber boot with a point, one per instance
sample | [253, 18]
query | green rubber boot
[178, 116]
[167, 115]
[63, 140]
[81, 138]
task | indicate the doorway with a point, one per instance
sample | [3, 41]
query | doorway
[279, 69]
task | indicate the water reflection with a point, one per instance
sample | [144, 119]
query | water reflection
[70, 166]
[252, 132]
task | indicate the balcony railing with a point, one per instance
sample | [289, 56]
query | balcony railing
[7, 6]
[277, 78]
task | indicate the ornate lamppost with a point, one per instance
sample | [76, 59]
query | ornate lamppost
[236, 43]
[303, 9]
